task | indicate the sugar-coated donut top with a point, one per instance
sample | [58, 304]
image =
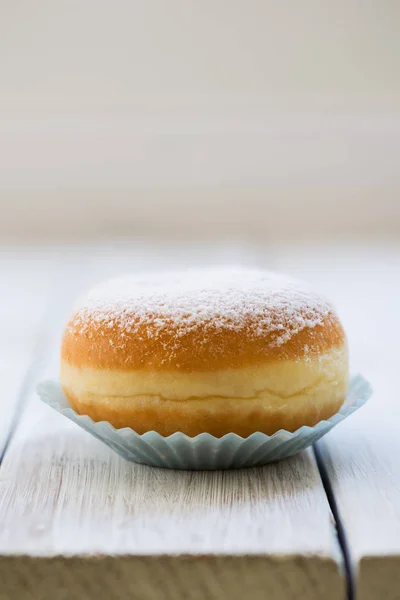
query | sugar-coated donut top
[222, 298]
[198, 319]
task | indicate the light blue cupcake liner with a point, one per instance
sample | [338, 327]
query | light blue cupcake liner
[179, 451]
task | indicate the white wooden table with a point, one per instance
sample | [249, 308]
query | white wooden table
[78, 521]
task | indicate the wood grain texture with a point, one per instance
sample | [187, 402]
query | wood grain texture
[74, 497]
[77, 520]
[169, 578]
[25, 281]
[362, 454]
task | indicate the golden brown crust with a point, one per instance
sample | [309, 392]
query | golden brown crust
[198, 350]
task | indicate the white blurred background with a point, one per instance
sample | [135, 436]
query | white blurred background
[179, 120]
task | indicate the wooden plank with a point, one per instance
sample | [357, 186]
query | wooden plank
[361, 456]
[73, 496]
[77, 520]
[25, 277]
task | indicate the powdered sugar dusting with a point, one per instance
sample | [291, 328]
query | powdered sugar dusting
[264, 302]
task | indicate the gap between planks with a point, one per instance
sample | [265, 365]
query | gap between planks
[24, 295]
[360, 457]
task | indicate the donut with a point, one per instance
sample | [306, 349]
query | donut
[222, 350]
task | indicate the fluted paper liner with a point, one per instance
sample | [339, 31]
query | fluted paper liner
[204, 451]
